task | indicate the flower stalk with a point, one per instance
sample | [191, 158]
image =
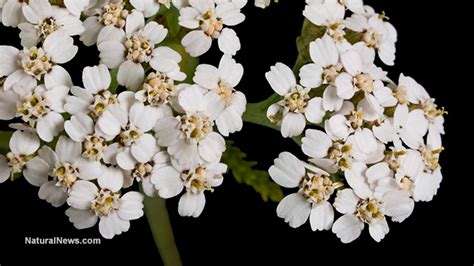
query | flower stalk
[160, 226]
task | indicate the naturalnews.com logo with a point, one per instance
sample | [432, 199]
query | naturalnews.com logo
[61, 241]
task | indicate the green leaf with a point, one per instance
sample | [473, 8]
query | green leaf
[256, 113]
[243, 172]
[309, 33]
[172, 24]
[5, 141]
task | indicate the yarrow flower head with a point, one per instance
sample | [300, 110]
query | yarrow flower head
[372, 143]
[133, 119]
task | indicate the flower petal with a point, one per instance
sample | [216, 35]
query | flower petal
[287, 170]
[348, 228]
[322, 216]
[294, 209]
[191, 204]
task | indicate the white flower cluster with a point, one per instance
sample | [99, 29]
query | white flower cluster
[86, 146]
[378, 146]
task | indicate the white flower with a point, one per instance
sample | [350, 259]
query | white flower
[222, 82]
[365, 147]
[81, 128]
[296, 107]
[324, 70]
[114, 212]
[409, 91]
[39, 108]
[65, 165]
[159, 89]
[360, 74]
[427, 182]
[170, 179]
[377, 34]
[361, 205]
[111, 14]
[348, 126]
[44, 19]
[130, 49]
[329, 154]
[426, 116]
[311, 200]
[207, 20]
[160, 92]
[129, 124]
[95, 98]
[23, 145]
[329, 14]
[26, 67]
[143, 172]
[12, 13]
[411, 125]
[190, 137]
[418, 171]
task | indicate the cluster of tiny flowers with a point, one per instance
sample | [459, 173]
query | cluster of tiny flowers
[377, 150]
[86, 147]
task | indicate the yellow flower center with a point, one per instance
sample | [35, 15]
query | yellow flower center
[35, 62]
[105, 202]
[113, 14]
[139, 49]
[370, 211]
[195, 127]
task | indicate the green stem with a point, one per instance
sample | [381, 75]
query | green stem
[256, 113]
[160, 225]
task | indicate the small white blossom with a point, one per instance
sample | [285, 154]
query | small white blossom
[65, 165]
[114, 211]
[222, 82]
[296, 107]
[189, 137]
[362, 205]
[26, 67]
[40, 108]
[311, 200]
[130, 49]
[81, 128]
[131, 127]
[207, 20]
[329, 14]
[44, 19]
[112, 14]
[170, 179]
[378, 34]
[22, 145]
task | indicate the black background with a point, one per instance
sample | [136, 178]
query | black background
[236, 226]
